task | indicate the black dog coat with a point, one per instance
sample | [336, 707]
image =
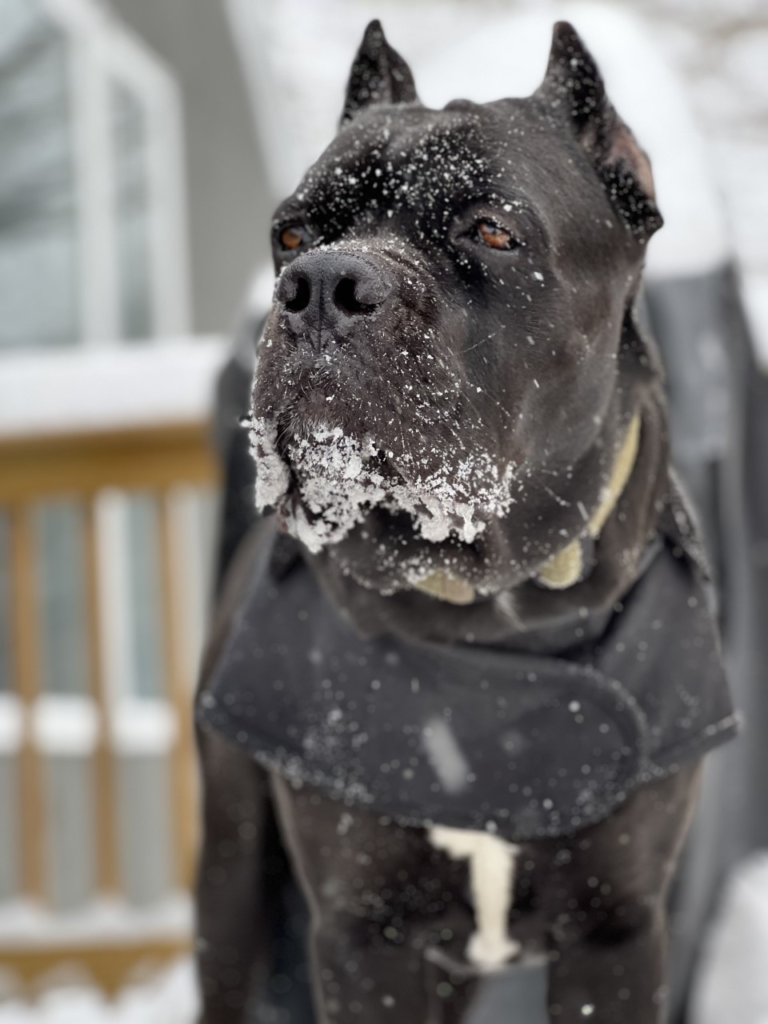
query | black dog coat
[471, 736]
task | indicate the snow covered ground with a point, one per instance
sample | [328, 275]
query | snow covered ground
[171, 998]
[732, 980]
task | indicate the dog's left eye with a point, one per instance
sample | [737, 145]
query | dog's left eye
[293, 237]
[490, 234]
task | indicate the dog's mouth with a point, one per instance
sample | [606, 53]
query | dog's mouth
[325, 483]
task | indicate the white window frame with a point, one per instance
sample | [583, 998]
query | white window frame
[102, 53]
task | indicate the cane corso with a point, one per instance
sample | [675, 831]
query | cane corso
[470, 658]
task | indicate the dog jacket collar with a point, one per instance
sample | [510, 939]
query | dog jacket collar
[468, 736]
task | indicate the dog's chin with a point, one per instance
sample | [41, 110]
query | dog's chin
[373, 510]
[382, 547]
[387, 553]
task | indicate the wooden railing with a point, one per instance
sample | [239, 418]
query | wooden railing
[84, 466]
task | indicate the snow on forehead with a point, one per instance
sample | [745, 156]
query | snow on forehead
[429, 152]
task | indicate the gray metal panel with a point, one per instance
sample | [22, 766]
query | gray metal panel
[60, 528]
[690, 322]
[725, 476]
[6, 668]
[71, 831]
[145, 826]
[10, 836]
[519, 997]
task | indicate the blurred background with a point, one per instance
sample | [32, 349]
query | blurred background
[143, 146]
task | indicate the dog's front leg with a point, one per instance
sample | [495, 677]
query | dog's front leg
[608, 892]
[361, 976]
[614, 975]
[232, 929]
[377, 894]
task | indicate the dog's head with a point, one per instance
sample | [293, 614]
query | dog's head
[439, 385]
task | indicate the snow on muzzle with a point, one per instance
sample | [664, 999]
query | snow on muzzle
[338, 479]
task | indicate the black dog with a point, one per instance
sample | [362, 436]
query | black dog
[477, 661]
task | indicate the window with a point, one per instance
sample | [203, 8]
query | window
[38, 231]
[91, 186]
[132, 215]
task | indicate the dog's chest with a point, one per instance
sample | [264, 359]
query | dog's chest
[491, 864]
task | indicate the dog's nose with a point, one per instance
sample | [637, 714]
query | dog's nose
[324, 294]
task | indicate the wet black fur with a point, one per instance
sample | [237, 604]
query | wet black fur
[535, 355]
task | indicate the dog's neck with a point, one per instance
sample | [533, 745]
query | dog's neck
[566, 567]
[530, 615]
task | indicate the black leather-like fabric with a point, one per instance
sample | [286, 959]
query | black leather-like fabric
[471, 736]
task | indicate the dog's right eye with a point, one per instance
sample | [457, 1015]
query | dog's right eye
[293, 237]
[495, 237]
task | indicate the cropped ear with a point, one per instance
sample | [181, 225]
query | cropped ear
[573, 91]
[379, 75]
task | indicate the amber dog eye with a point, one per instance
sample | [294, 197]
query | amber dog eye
[492, 235]
[293, 237]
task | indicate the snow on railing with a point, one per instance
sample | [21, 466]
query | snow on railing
[108, 388]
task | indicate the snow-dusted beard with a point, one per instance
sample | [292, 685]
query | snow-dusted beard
[339, 480]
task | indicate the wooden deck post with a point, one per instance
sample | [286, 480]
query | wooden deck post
[26, 669]
[103, 762]
[180, 694]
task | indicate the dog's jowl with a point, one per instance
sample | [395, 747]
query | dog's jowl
[469, 662]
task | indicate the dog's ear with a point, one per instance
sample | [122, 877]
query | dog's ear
[573, 91]
[379, 75]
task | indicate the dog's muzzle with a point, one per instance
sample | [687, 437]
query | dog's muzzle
[326, 296]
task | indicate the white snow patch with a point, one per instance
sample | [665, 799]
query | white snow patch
[66, 726]
[169, 998]
[754, 291]
[143, 727]
[492, 881]
[339, 481]
[110, 387]
[731, 982]
[272, 477]
[26, 925]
